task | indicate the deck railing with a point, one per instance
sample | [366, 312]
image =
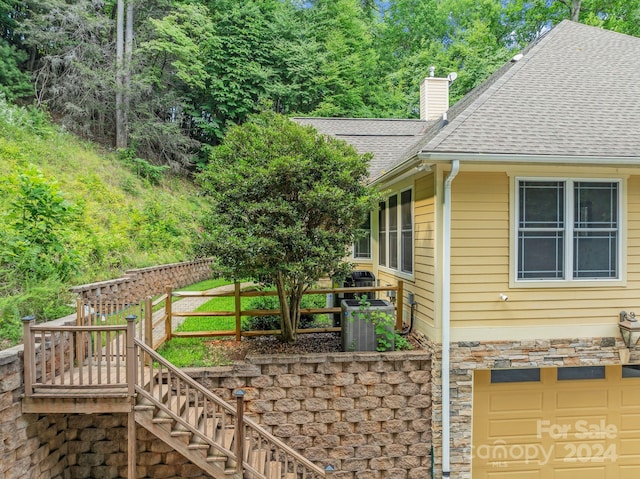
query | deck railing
[157, 317]
[79, 358]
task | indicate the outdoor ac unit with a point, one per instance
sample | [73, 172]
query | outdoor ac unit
[358, 332]
[357, 279]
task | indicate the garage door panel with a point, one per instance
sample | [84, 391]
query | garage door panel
[629, 472]
[629, 447]
[581, 472]
[506, 402]
[631, 394]
[631, 422]
[581, 451]
[572, 400]
[525, 429]
[587, 426]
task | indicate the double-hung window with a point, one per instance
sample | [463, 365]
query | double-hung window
[362, 245]
[382, 234]
[567, 229]
[395, 232]
[406, 232]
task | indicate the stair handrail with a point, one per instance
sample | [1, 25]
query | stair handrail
[228, 408]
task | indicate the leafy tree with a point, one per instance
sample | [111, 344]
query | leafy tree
[530, 18]
[199, 66]
[469, 37]
[14, 83]
[239, 66]
[296, 58]
[36, 234]
[285, 206]
[73, 71]
[475, 52]
[347, 73]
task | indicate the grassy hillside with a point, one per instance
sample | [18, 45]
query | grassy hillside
[71, 213]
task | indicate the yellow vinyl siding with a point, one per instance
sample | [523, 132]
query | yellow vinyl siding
[424, 254]
[633, 235]
[480, 265]
[479, 245]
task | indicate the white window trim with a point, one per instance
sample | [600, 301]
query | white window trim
[353, 245]
[515, 282]
[397, 271]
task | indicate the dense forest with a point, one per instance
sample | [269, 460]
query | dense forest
[165, 78]
[155, 84]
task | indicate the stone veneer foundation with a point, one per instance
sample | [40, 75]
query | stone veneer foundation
[466, 356]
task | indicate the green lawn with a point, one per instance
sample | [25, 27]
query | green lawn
[214, 323]
[197, 352]
[193, 352]
[206, 284]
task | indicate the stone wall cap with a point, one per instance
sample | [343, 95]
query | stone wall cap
[100, 284]
[169, 265]
[129, 275]
[11, 355]
[338, 357]
[239, 368]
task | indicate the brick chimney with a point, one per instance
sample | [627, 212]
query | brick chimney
[434, 96]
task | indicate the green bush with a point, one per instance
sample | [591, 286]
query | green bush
[143, 168]
[36, 230]
[47, 301]
[401, 343]
[268, 323]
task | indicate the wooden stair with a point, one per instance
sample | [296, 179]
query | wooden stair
[204, 428]
[100, 368]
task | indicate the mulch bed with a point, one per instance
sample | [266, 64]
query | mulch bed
[261, 345]
[264, 345]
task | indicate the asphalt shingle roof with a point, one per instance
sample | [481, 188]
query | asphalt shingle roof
[387, 139]
[574, 93]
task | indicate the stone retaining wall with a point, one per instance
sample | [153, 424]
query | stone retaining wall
[366, 414]
[33, 447]
[137, 284]
[470, 355]
[97, 448]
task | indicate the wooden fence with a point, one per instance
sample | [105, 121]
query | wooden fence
[158, 318]
[237, 313]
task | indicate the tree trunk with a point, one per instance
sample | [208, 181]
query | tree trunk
[574, 7]
[120, 133]
[286, 325]
[126, 84]
[289, 309]
[575, 10]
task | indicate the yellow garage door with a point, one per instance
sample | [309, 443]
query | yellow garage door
[557, 423]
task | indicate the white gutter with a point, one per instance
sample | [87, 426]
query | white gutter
[446, 322]
[405, 169]
[528, 159]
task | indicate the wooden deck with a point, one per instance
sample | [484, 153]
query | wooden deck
[95, 389]
[79, 369]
